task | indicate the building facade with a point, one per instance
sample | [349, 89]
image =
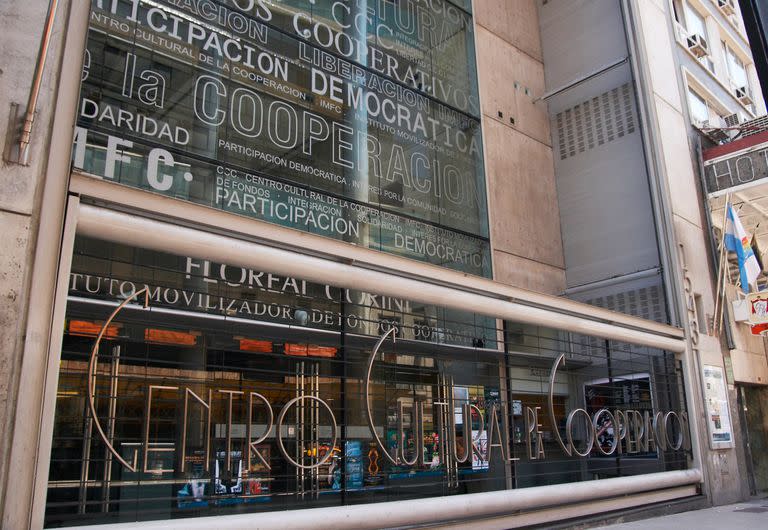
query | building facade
[725, 78]
[363, 263]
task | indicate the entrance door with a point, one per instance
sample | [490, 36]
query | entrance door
[755, 406]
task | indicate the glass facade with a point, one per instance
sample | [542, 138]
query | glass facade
[216, 390]
[357, 121]
[189, 387]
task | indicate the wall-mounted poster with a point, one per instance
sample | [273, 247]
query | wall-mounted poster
[718, 415]
[480, 456]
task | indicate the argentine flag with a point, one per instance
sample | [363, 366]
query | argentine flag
[736, 240]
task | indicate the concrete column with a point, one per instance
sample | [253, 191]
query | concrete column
[40, 196]
[672, 136]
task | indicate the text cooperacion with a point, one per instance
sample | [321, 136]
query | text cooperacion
[288, 128]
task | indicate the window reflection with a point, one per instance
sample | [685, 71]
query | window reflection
[216, 400]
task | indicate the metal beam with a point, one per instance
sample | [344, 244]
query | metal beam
[431, 511]
[165, 237]
[210, 219]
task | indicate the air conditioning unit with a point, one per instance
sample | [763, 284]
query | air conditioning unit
[744, 95]
[727, 7]
[698, 45]
[732, 120]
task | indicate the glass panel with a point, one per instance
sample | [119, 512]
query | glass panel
[697, 107]
[736, 69]
[604, 394]
[694, 22]
[359, 124]
[755, 403]
[236, 390]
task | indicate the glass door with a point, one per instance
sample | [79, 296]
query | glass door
[755, 406]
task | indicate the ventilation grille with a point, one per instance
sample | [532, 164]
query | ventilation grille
[595, 122]
[645, 302]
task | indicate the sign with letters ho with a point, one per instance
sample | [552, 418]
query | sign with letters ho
[740, 163]
[353, 120]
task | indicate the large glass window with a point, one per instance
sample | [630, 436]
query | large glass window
[694, 22]
[192, 388]
[356, 123]
[698, 108]
[606, 382]
[737, 72]
[696, 27]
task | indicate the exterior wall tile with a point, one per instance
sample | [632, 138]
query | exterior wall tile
[522, 196]
[660, 48]
[527, 274]
[21, 27]
[683, 184]
[21, 24]
[14, 238]
[510, 82]
[697, 260]
[748, 367]
[516, 22]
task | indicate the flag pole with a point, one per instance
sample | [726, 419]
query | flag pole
[721, 270]
[727, 268]
[724, 279]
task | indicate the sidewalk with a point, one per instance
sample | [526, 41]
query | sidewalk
[751, 515]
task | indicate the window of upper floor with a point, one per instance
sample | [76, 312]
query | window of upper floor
[737, 71]
[691, 29]
[695, 22]
[727, 62]
[707, 112]
[738, 80]
[731, 12]
[698, 108]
